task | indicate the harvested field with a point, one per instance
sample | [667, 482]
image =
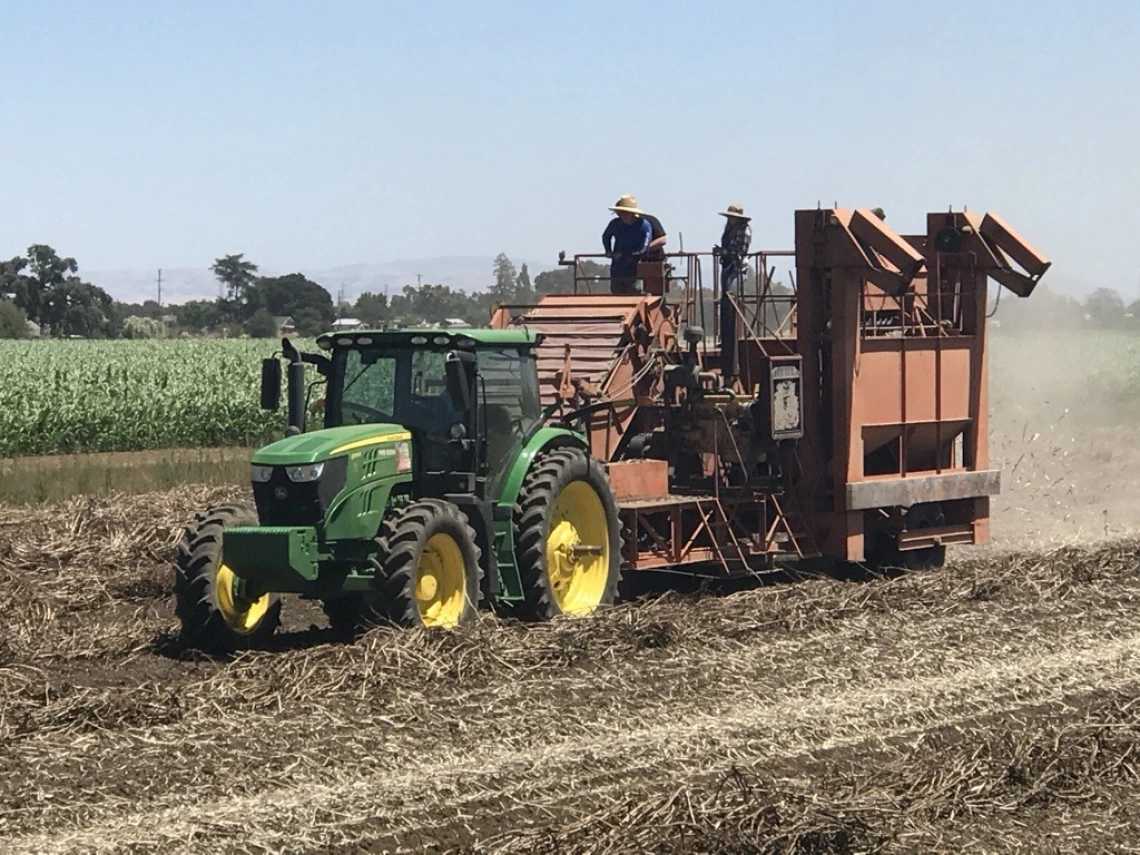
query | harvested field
[993, 706]
[990, 706]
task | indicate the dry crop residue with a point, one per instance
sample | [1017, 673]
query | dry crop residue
[986, 706]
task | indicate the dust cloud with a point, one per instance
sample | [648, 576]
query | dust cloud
[1062, 431]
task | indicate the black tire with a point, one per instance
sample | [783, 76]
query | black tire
[548, 479]
[401, 558]
[204, 621]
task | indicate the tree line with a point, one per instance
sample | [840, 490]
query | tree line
[45, 289]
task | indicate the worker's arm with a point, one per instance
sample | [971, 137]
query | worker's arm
[659, 236]
[608, 238]
[646, 237]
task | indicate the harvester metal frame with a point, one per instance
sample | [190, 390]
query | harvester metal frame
[889, 333]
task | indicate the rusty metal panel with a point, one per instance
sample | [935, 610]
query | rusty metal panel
[877, 387]
[996, 230]
[889, 493]
[639, 479]
[955, 381]
[919, 371]
[879, 393]
[897, 256]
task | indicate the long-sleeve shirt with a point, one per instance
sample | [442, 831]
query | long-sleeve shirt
[631, 240]
[734, 244]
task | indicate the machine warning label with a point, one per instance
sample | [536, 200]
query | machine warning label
[786, 407]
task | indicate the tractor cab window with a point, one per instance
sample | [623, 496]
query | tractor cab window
[405, 387]
[369, 392]
[511, 407]
[429, 405]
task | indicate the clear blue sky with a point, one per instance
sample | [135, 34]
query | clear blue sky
[148, 134]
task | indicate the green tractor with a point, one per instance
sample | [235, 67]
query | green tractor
[437, 483]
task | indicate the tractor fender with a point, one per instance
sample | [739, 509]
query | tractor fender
[544, 439]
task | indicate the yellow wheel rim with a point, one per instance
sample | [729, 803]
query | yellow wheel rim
[578, 550]
[240, 616]
[441, 582]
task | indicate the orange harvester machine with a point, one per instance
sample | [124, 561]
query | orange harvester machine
[842, 418]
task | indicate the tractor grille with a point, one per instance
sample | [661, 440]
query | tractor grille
[280, 502]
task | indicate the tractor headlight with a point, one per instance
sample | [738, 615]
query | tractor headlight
[306, 473]
[403, 457]
[260, 474]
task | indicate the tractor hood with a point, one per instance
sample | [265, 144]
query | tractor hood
[322, 444]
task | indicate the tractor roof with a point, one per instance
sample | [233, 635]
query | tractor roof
[518, 337]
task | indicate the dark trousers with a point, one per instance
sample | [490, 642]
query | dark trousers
[623, 285]
[730, 282]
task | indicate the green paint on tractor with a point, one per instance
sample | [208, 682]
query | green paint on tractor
[323, 444]
[404, 505]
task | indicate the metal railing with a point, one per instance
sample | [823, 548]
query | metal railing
[765, 309]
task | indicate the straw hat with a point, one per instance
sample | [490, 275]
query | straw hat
[628, 204]
[735, 211]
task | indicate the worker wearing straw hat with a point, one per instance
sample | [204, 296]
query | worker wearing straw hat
[734, 245]
[733, 249]
[626, 240]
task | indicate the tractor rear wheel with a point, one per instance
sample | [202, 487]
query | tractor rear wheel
[427, 569]
[567, 536]
[209, 600]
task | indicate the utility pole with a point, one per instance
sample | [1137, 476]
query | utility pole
[419, 281]
[160, 287]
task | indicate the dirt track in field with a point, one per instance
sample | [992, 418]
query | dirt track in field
[991, 706]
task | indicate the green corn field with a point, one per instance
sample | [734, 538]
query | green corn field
[90, 396]
[80, 396]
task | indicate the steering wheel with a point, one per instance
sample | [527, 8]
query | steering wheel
[371, 413]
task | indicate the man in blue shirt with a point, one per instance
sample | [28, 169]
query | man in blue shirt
[626, 240]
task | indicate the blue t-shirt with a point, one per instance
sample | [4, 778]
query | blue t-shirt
[633, 239]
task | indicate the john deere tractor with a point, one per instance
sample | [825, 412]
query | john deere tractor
[435, 484]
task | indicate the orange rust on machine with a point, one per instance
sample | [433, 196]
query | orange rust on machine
[639, 479]
[859, 413]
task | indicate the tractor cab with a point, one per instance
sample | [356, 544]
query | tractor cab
[468, 400]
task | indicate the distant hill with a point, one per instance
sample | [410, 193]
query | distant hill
[467, 273]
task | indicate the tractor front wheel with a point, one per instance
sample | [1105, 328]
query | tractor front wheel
[567, 536]
[427, 570]
[210, 599]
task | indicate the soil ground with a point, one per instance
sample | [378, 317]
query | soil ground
[991, 706]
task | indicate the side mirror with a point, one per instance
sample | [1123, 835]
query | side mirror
[270, 383]
[459, 378]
